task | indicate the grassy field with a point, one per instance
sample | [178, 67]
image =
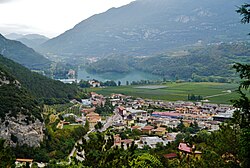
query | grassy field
[71, 127]
[216, 92]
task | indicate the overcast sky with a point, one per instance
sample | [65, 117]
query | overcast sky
[49, 17]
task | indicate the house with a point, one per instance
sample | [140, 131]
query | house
[160, 131]
[152, 141]
[185, 149]
[22, 162]
[147, 129]
[94, 83]
[71, 73]
[135, 127]
[138, 113]
[130, 122]
[171, 136]
[88, 110]
[86, 102]
[93, 119]
[118, 141]
[122, 110]
[119, 126]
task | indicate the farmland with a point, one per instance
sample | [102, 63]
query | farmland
[220, 93]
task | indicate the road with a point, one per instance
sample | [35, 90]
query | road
[109, 122]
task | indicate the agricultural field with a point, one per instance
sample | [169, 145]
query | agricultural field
[220, 93]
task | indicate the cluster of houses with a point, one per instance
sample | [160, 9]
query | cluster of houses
[153, 117]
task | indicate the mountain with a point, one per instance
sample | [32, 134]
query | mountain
[146, 27]
[38, 85]
[21, 121]
[214, 60]
[13, 36]
[22, 54]
[30, 40]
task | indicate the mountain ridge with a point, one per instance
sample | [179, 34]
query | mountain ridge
[149, 27]
[22, 54]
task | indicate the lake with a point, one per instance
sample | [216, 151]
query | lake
[123, 77]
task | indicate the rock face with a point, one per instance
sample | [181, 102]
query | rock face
[21, 131]
[21, 121]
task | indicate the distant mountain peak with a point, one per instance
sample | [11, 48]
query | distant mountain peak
[146, 27]
[22, 54]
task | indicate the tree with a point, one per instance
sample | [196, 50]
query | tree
[99, 125]
[145, 160]
[244, 11]
[119, 83]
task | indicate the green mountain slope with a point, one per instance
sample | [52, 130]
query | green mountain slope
[22, 54]
[40, 86]
[15, 99]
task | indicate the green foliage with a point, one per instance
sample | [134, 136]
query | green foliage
[243, 116]
[7, 158]
[99, 125]
[84, 84]
[15, 100]
[108, 83]
[145, 161]
[105, 109]
[38, 85]
[193, 97]
[244, 11]
[58, 145]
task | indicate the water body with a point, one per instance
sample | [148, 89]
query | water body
[123, 77]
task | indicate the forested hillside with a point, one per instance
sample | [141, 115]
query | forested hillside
[15, 99]
[38, 85]
[186, 63]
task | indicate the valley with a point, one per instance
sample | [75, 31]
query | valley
[125, 84]
[172, 91]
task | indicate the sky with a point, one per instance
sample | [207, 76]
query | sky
[49, 17]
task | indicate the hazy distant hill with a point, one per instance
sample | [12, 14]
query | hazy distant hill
[30, 40]
[145, 27]
[22, 54]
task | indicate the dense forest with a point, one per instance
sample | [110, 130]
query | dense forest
[15, 99]
[38, 85]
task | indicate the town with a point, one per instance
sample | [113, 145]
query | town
[147, 122]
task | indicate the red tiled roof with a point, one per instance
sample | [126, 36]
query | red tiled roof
[136, 127]
[148, 127]
[184, 147]
[127, 141]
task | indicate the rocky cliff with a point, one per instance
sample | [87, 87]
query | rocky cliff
[18, 130]
[20, 117]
